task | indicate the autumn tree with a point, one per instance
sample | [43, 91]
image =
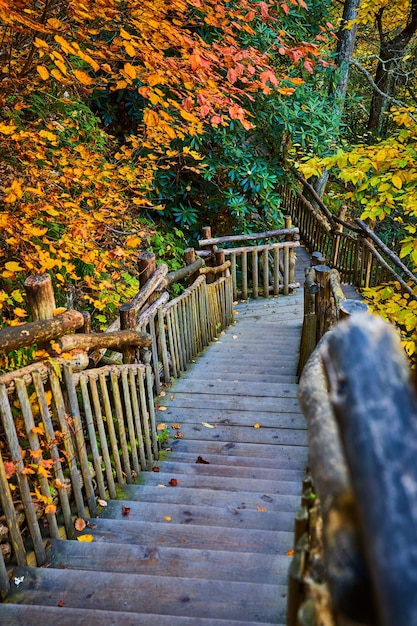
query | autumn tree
[98, 103]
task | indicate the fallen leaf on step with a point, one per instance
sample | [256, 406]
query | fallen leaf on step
[179, 435]
[163, 393]
[173, 482]
[156, 469]
[160, 408]
[290, 552]
[256, 425]
[101, 502]
[261, 508]
[207, 425]
[234, 336]
[85, 538]
[61, 603]
[176, 426]
[161, 427]
[125, 510]
[80, 524]
[172, 397]
[167, 518]
[161, 485]
[202, 461]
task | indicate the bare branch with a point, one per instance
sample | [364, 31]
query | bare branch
[375, 87]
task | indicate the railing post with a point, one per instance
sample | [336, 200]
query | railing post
[323, 302]
[289, 259]
[210, 262]
[40, 296]
[337, 234]
[146, 267]
[128, 322]
[190, 257]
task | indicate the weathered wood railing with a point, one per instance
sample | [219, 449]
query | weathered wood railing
[361, 410]
[324, 305]
[69, 434]
[258, 269]
[352, 248]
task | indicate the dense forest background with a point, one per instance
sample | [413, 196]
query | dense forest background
[127, 126]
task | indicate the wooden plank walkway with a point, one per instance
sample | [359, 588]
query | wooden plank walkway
[204, 540]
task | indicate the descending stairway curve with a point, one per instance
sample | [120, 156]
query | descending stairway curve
[204, 540]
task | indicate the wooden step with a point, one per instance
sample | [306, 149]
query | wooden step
[212, 373]
[232, 471]
[167, 561]
[283, 460]
[223, 483]
[231, 448]
[136, 593]
[213, 401]
[196, 515]
[242, 434]
[203, 387]
[210, 497]
[231, 417]
[24, 615]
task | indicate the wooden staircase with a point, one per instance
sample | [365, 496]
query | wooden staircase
[204, 539]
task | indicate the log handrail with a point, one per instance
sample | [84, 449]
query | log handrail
[361, 410]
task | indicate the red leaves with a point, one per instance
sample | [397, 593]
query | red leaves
[173, 482]
[10, 468]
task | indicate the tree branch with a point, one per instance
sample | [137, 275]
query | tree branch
[375, 87]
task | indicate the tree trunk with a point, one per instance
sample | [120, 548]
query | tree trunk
[391, 52]
[345, 46]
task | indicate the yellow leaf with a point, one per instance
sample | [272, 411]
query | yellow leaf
[85, 538]
[43, 72]
[207, 425]
[150, 118]
[83, 78]
[50, 509]
[129, 48]
[167, 518]
[161, 427]
[130, 70]
[256, 425]
[13, 266]
[19, 312]
[397, 181]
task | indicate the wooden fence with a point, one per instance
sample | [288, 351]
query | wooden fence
[264, 269]
[69, 434]
[324, 305]
[352, 248]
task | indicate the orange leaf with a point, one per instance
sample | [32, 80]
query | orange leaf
[42, 71]
[130, 70]
[82, 77]
[80, 524]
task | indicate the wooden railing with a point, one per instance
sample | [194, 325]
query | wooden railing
[355, 556]
[324, 305]
[69, 434]
[264, 269]
[352, 248]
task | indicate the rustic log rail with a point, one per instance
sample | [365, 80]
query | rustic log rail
[324, 305]
[361, 409]
[361, 258]
[259, 269]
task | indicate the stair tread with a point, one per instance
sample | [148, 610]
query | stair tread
[136, 593]
[200, 537]
[210, 497]
[167, 561]
[18, 614]
[195, 515]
